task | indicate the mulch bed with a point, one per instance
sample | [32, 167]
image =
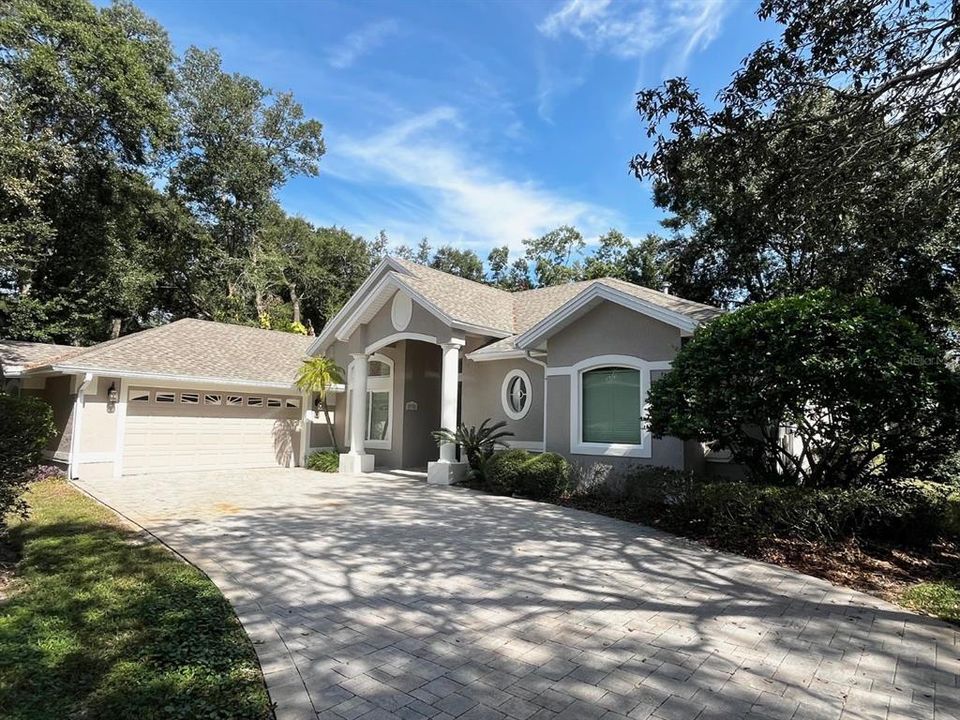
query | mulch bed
[884, 572]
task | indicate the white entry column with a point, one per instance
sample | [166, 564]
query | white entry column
[357, 460]
[447, 470]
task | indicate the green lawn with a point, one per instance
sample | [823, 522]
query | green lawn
[940, 598]
[100, 624]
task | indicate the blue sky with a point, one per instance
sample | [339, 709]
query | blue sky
[472, 123]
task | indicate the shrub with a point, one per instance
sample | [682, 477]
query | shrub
[26, 425]
[868, 395]
[324, 461]
[541, 476]
[737, 513]
[477, 443]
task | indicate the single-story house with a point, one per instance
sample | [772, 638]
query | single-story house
[566, 367]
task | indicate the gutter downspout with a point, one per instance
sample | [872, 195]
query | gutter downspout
[77, 426]
[529, 356]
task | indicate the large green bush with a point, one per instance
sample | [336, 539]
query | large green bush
[866, 394]
[906, 512]
[26, 426]
[518, 472]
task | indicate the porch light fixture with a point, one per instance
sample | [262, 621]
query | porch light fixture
[113, 395]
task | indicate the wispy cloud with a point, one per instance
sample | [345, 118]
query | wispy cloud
[361, 42]
[631, 29]
[456, 195]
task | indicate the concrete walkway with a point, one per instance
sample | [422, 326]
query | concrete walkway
[382, 597]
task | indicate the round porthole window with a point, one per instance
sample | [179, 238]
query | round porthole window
[515, 394]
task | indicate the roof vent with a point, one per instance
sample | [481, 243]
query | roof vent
[666, 288]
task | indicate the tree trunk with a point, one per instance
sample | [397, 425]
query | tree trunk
[115, 328]
[326, 415]
[295, 301]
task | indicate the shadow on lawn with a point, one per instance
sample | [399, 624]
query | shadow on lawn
[103, 625]
[396, 574]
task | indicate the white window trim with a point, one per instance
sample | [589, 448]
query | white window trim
[577, 445]
[375, 384]
[505, 388]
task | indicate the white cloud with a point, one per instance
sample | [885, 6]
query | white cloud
[361, 42]
[457, 196]
[633, 28]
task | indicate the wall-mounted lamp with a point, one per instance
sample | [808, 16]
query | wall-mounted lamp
[113, 395]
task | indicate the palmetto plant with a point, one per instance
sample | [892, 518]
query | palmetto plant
[478, 443]
[316, 375]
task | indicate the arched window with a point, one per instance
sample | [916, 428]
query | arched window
[515, 394]
[607, 398]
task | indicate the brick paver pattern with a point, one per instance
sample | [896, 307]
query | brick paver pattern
[382, 597]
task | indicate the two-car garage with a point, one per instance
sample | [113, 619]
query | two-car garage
[173, 430]
[190, 395]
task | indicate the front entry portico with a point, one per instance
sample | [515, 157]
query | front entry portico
[400, 389]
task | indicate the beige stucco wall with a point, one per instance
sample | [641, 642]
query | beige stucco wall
[98, 430]
[482, 385]
[611, 329]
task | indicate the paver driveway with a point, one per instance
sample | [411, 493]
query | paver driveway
[387, 598]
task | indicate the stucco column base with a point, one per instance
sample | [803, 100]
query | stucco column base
[446, 473]
[351, 464]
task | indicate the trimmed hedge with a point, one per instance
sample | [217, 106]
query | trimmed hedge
[518, 472]
[906, 512]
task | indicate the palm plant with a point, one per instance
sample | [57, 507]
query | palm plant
[317, 375]
[478, 443]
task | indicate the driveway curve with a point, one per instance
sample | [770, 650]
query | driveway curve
[382, 597]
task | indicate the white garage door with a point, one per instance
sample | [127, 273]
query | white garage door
[182, 430]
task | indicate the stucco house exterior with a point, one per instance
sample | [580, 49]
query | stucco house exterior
[566, 367]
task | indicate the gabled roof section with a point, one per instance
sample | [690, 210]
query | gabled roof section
[464, 301]
[15, 355]
[682, 314]
[480, 308]
[193, 349]
[459, 302]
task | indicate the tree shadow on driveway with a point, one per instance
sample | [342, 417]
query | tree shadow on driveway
[390, 596]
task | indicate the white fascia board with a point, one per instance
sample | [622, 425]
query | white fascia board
[177, 379]
[480, 356]
[12, 371]
[326, 336]
[569, 311]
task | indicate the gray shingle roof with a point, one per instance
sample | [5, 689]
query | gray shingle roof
[514, 312]
[196, 349]
[463, 300]
[18, 353]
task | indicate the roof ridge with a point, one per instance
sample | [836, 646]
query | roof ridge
[233, 325]
[479, 284]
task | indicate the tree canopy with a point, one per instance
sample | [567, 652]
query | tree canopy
[828, 161]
